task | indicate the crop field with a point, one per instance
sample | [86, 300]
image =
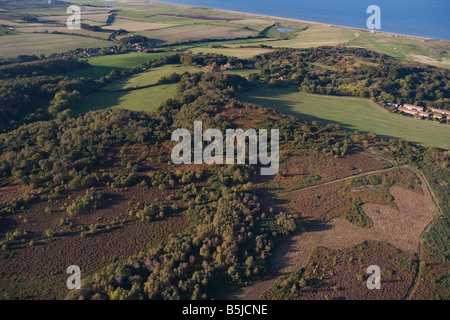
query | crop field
[93, 34]
[352, 114]
[196, 32]
[32, 43]
[103, 65]
[131, 25]
[148, 99]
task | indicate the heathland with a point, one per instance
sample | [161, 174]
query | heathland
[86, 175]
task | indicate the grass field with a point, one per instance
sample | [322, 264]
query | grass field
[314, 36]
[103, 65]
[148, 99]
[351, 114]
[149, 77]
[34, 43]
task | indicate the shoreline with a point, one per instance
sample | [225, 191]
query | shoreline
[387, 33]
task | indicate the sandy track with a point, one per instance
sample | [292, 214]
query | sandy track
[402, 228]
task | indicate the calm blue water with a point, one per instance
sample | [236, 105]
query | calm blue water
[426, 18]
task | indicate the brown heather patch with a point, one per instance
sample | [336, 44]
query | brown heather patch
[13, 191]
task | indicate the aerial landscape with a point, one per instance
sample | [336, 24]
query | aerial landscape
[98, 100]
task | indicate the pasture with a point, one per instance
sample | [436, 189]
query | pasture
[148, 99]
[352, 114]
[103, 65]
[148, 78]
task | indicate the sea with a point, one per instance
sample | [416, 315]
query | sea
[424, 18]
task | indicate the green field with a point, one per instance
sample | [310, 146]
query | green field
[351, 114]
[148, 99]
[148, 78]
[103, 65]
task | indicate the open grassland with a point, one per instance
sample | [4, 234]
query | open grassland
[314, 36]
[148, 99]
[148, 78]
[32, 43]
[429, 51]
[352, 114]
[103, 65]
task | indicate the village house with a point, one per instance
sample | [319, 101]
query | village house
[412, 107]
[441, 111]
[423, 114]
[437, 116]
[408, 111]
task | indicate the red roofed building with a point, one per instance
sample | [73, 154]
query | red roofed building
[412, 107]
[423, 114]
[407, 111]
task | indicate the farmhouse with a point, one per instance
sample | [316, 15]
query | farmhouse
[423, 114]
[412, 107]
[441, 111]
[211, 68]
[407, 111]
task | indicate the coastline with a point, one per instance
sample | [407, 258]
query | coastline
[250, 14]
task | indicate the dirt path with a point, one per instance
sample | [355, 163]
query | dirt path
[413, 286]
[335, 181]
[400, 227]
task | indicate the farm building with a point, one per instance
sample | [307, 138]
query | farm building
[408, 111]
[423, 114]
[441, 111]
[412, 107]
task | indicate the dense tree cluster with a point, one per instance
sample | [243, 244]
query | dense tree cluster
[85, 203]
[230, 243]
[53, 153]
[357, 72]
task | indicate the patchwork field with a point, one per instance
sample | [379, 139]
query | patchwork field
[351, 114]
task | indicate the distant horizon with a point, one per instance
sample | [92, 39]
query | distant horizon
[400, 17]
